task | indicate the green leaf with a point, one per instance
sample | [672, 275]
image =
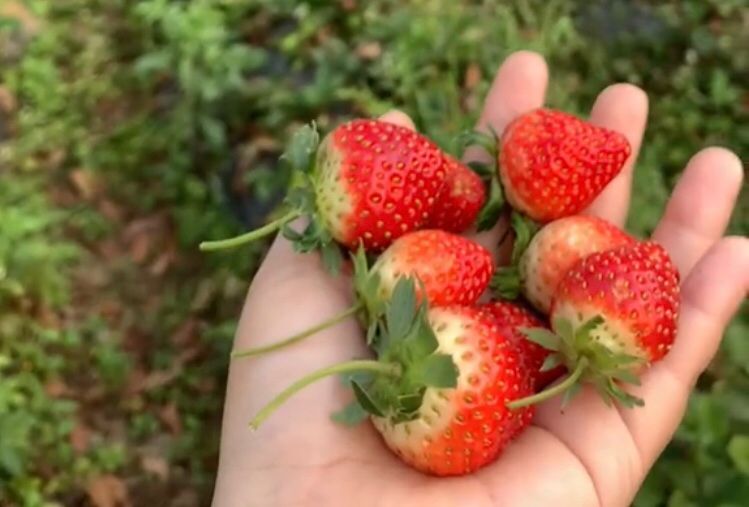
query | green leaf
[551, 362]
[525, 229]
[506, 282]
[350, 415]
[582, 335]
[623, 397]
[738, 450]
[302, 147]
[484, 170]
[541, 336]
[365, 400]
[492, 209]
[475, 138]
[401, 310]
[570, 394]
[372, 332]
[563, 328]
[332, 258]
[301, 198]
[421, 341]
[437, 370]
[363, 378]
[626, 376]
[410, 403]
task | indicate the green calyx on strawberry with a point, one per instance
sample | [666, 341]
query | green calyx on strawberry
[408, 363]
[367, 183]
[405, 339]
[614, 312]
[588, 362]
[494, 200]
[449, 269]
[507, 282]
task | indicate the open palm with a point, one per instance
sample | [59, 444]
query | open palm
[590, 455]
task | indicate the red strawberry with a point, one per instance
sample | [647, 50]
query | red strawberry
[455, 431]
[514, 318]
[371, 182]
[552, 251]
[553, 164]
[438, 391]
[375, 181]
[451, 269]
[461, 199]
[613, 313]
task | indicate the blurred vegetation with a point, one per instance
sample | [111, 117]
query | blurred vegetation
[129, 131]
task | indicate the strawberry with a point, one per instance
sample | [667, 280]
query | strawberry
[553, 164]
[461, 199]
[457, 430]
[614, 312]
[515, 318]
[438, 390]
[451, 268]
[370, 183]
[448, 268]
[551, 252]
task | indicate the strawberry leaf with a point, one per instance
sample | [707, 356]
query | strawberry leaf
[300, 151]
[563, 328]
[332, 259]
[363, 378]
[473, 137]
[350, 415]
[622, 396]
[409, 403]
[626, 376]
[421, 341]
[525, 229]
[380, 337]
[301, 198]
[582, 335]
[366, 401]
[543, 337]
[492, 209]
[372, 332]
[570, 394]
[401, 311]
[551, 362]
[437, 370]
[484, 170]
[506, 282]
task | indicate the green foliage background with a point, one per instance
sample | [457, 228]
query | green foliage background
[157, 98]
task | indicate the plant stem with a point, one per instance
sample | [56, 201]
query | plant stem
[389, 369]
[554, 390]
[252, 235]
[300, 336]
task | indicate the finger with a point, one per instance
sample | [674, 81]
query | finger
[617, 445]
[699, 209]
[711, 294]
[519, 86]
[398, 118]
[623, 108]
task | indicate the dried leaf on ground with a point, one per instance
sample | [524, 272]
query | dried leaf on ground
[108, 491]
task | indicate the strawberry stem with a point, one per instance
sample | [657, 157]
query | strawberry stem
[251, 236]
[299, 336]
[389, 369]
[563, 386]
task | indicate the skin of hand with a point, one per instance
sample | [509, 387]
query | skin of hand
[590, 455]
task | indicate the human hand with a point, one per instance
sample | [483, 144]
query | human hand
[590, 455]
